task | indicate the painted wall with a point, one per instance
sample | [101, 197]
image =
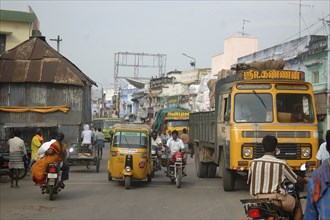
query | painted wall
[234, 47]
[16, 32]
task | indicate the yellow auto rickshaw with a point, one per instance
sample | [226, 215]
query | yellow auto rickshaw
[129, 157]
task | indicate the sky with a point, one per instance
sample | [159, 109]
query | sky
[93, 31]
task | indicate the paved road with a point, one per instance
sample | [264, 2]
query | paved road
[89, 195]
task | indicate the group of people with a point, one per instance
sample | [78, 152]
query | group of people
[45, 152]
[170, 143]
[42, 154]
[267, 174]
[95, 137]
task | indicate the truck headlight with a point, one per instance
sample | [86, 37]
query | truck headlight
[71, 150]
[247, 151]
[305, 152]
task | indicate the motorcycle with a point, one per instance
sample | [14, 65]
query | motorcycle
[268, 208]
[155, 160]
[52, 183]
[176, 168]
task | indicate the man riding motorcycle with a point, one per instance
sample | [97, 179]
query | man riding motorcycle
[266, 177]
[174, 145]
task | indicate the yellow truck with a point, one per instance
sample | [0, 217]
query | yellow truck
[169, 119]
[249, 105]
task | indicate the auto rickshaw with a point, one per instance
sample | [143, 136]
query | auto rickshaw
[129, 157]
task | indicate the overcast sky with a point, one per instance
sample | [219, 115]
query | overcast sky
[93, 31]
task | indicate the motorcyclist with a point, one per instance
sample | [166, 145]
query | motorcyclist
[174, 145]
[266, 177]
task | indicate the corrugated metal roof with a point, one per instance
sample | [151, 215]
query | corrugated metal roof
[36, 61]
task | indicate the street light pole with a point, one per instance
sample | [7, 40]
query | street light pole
[192, 63]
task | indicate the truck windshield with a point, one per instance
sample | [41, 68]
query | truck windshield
[130, 140]
[294, 108]
[253, 107]
[178, 123]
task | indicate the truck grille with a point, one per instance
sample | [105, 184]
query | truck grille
[287, 151]
[278, 134]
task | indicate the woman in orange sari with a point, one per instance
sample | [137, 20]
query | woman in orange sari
[55, 153]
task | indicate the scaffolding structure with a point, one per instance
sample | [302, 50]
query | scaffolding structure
[137, 61]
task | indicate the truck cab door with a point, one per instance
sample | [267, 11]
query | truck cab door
[224, 120]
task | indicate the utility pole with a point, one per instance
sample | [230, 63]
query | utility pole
[328, 89]
[58, 40]
[300, 16]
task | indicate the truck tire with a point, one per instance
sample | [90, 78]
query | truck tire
[228, 179]
[211, 170]
[201, 168]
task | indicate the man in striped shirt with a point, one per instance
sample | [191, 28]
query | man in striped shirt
[266, 177]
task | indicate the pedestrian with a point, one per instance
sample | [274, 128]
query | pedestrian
[322, 154]
[17, 151]
[99, 141]
[185, 138]
[318, 189]
[36, 142]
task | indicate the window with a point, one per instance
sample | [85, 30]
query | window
[130, 140]
[2, 43]
[294, 108]
[227, 105]
[253, 107]
[316, 77]
[178, 123]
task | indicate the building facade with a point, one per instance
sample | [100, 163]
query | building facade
[234, 47]
[16, 27]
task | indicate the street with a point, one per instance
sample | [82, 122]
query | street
[89, 195]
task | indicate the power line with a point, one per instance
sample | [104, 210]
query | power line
[304, 29]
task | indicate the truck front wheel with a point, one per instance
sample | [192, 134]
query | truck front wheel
[228, 179]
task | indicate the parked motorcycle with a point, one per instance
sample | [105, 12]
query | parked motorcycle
[176, 168]
[267, 209]
[155, 160]
[52, 183]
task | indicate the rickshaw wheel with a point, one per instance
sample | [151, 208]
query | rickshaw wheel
[109, 177]
[128, 180]
[149, 178]
[152, 174]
